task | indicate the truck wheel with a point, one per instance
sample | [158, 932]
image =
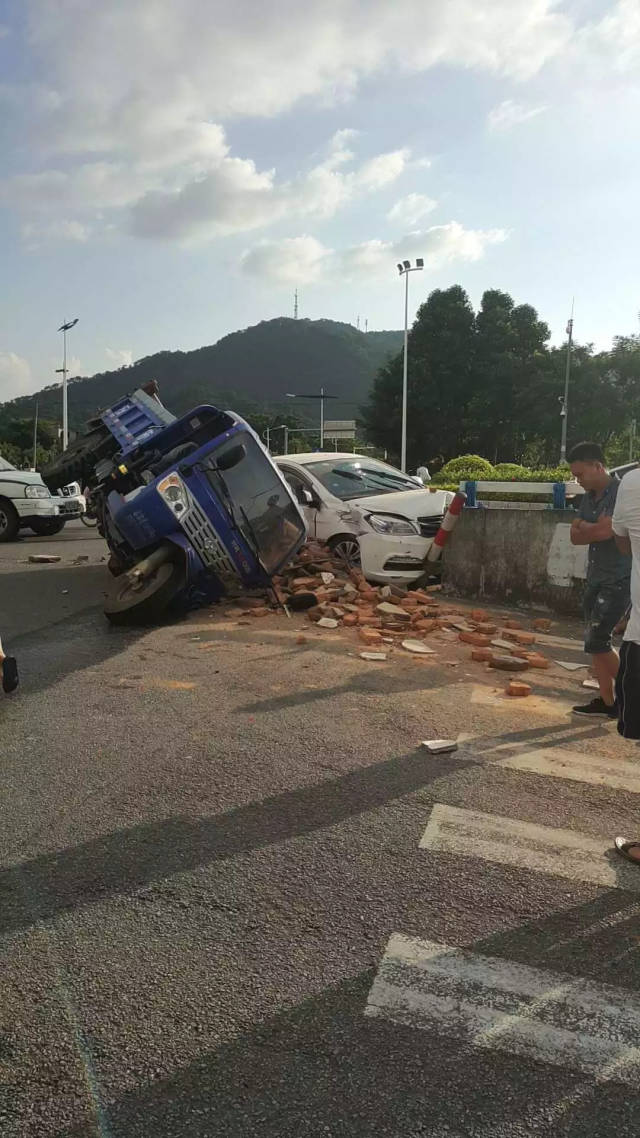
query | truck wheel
[76, 463]
[9, 521]
[46, 527]
[126, 604]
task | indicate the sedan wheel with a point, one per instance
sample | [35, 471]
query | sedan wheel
[348, 548]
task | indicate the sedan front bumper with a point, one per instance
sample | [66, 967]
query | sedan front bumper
[389, 559]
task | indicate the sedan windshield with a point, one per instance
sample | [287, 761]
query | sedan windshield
[359, 477]
[4, 465]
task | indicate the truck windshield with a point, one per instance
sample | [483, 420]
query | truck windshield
[360, 477]
[263, 509]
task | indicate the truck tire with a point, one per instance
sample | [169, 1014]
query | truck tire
[76, 463]
[9, 521]
[47, 527]
[126, 605]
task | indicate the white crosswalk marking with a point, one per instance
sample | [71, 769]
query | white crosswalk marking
[504, 1006]
[506, 841]
[619, 773]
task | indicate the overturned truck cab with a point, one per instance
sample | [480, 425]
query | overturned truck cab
[188, 506]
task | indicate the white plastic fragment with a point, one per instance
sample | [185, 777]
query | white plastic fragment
[571, 667]
[439, 746]
[326, 622]
[373, 655]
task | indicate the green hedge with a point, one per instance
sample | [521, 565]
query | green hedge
[472, 467]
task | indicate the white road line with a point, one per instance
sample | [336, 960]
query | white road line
[621, 774]
[501, 1005]
[544, 849]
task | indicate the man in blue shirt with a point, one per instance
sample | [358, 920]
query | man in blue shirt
[607, 595]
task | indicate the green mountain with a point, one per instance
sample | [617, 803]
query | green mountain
[248, 370]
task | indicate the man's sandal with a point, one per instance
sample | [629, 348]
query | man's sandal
[623, 847]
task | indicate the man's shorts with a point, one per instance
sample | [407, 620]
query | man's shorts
[604, 607]
[628, 690]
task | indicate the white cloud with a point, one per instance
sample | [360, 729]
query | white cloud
[119, 357]
[127, 110]
[15, 376]
[304, 259]
[509, 114]
[411, 209]
[235, 197]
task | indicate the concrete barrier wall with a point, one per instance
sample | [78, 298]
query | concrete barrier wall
[515, 555]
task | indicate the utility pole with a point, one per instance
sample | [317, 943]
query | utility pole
[404, 269]
[295, 305]
[35, 436]
[64, 328]
[564, 414]
[632, 439]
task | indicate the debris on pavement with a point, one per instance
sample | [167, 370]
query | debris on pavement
[570, 666]
[439, 746]
[517, 689]
[417, 646]
[43, 558]
[336, 597]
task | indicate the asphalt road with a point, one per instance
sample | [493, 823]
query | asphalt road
[216, 916]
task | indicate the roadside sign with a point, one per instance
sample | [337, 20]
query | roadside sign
[340, 428]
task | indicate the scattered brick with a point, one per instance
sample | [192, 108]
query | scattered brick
[479, 615]
[508, 663]
[517, 689]
[481, 655]
[542, 624]
[476, 639]
[394, 612]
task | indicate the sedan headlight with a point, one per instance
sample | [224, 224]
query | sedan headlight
[384, 523]
[36, 492]
[174, 492]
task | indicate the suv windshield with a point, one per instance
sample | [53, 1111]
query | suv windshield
[360, 477]
[263, 509]
[4, 465]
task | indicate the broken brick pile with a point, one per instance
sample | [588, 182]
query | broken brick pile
[338, 597]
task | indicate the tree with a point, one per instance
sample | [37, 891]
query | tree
[439, 372]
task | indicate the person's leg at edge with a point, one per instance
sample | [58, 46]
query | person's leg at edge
[604, 607]
[627, 693]
[8, 671]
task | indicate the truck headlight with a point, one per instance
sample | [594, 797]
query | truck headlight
[36, 492]
[384, 523]
[174, 492]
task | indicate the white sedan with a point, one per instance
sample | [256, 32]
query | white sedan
[371, 513]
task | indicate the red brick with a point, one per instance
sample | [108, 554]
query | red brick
[518, 689]
[481, 655]
[475, 638]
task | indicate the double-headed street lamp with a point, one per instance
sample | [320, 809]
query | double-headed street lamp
[404, 268]
[321, 396]
[64, 328]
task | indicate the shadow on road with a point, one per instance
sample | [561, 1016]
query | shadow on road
[127, 859]
[323, 1068]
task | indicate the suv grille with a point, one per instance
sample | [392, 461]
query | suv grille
[430, 526]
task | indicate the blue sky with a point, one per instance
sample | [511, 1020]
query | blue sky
[172, 171]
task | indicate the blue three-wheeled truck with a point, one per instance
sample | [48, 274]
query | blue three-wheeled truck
[188, 506]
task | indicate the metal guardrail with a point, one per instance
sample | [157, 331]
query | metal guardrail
[557, 491]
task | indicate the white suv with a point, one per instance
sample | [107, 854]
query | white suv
[26, 501]
[371, 513]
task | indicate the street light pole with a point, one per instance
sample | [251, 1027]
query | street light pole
[322, 396]
[404, 269]
[565, 399]
[64, 328]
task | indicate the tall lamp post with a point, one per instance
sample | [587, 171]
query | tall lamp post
[321, 396]
[64, 328]
[404, 268]
[564, 399]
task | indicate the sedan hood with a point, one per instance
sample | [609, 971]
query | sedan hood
[410, 504]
